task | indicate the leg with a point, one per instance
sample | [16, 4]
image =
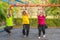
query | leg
[11, 27]
[23, 31]
[43, 30]
[27, 29]
[39, 29]
[7, 30]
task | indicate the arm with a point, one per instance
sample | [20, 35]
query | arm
[28, 13]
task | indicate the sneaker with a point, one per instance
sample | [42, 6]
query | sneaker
[9, 34]
[44, 36]
[39, 37]
[24, 35]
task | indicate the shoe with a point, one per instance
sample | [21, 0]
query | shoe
[39, 37]
[44, 36]
[9, 34]
[24, 35]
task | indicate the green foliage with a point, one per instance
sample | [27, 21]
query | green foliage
[17, 21]
[3, 10]
[34, 22]
[53, 11]
[53, 22]
[54, 1]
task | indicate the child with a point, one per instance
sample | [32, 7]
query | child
[9, 23]
[41, 24]
[26, 24]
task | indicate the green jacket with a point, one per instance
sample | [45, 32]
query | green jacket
[9, 21]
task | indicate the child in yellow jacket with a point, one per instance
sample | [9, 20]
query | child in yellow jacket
[26, 24]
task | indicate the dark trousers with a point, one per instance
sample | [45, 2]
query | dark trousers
[41, 28]
[26, 28]
[8, 29]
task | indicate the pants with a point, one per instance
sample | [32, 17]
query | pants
[8, 29]
[41, 28]
[26, 28]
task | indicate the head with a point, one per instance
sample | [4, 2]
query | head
[24, 13]
[41, 13]
[8, 15]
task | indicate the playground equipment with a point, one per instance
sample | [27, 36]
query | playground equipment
[34, 5]
[28, 4]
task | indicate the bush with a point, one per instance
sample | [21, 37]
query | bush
[17, 21]
[33, 22]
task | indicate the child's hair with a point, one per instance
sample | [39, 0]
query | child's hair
[24, 12]
[8, 15]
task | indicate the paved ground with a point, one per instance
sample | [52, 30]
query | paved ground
[51, 34]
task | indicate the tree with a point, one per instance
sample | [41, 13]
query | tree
[3, 10]
[55, 11]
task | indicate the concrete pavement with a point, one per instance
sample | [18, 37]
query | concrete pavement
[51, 34]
